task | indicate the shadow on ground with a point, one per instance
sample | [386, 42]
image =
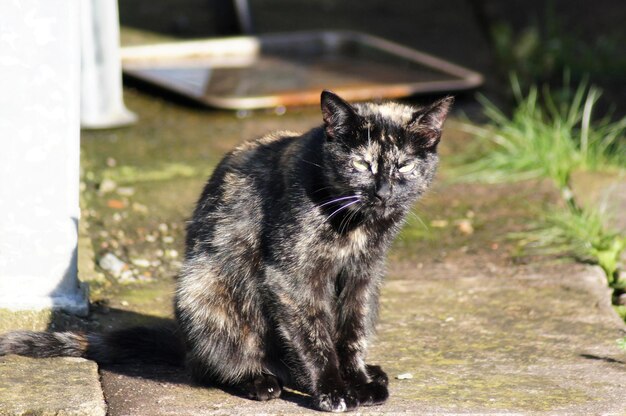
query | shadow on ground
[138, 382]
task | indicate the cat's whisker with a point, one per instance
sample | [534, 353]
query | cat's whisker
[347, 220]
[354, 214]
[342, 208]
[344, 223]
[422, 222]
[285, 364]
[339, 199]
[311, 163]
[321, 189]
[417, 217]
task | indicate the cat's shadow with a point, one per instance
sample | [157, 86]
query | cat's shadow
[108, 319]
[169, 374]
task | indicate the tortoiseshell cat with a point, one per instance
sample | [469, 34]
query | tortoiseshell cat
[285, 259]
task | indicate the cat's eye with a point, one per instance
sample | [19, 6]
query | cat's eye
[407, 168]
[360, 165]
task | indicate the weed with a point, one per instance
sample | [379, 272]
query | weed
[548, 135]
[580, 234]
[622, 342]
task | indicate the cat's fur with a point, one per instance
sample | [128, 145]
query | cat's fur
[285, 258]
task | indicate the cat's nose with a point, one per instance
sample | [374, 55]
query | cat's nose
[383, 192]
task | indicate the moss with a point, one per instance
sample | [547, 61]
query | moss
[131, 175]
[30, 320]
[493, 211]
[152, 299]
[496, 391]
[51, 386]
[481, 346]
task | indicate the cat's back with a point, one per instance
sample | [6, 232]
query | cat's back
[252, 160]
[271, 142]
[258, 160]
[243, 182]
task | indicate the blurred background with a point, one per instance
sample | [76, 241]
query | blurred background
[538, 40]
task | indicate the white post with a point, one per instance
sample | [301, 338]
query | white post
[102, 103]
[39, 155]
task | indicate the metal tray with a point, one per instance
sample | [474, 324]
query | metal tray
[288, 69]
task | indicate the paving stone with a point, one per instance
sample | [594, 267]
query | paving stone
[51, 386]
[476, 337]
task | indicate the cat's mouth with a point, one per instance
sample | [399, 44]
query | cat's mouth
[382, 209]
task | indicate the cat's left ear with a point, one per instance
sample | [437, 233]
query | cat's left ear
[427, 122]
[340, 118]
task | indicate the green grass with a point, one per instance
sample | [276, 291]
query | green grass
[582, 235]
[548, 135]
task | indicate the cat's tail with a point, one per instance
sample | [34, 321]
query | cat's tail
[154, 345]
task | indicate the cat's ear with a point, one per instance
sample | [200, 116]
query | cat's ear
[427, 122]
[340, 118]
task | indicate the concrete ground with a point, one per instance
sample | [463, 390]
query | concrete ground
[467, 326]
[471, 338]
[478, 330]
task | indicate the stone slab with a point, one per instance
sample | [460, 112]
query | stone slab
[476, 338]
[605, 192]
[52, 386]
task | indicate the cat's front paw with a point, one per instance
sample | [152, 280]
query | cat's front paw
[336, 401]
[377, 375]
[262, 387]
[372, 394]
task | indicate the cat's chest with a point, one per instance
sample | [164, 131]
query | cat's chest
[328, 252]
[354, 244]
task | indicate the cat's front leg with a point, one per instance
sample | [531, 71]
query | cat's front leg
[314, 346]
[358, 306]
[305, 321]
[375, 392]
[332, 393]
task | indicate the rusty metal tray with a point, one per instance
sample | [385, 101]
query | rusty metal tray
[288, 69]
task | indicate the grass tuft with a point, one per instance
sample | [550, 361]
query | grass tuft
[581, 235]
[548, 135]
[622, 342]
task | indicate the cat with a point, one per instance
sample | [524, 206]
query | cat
[285, 257]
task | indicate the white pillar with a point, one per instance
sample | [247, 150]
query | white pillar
[39, 155]
[102, 103]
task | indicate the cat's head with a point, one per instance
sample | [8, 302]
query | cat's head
[384, 154]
